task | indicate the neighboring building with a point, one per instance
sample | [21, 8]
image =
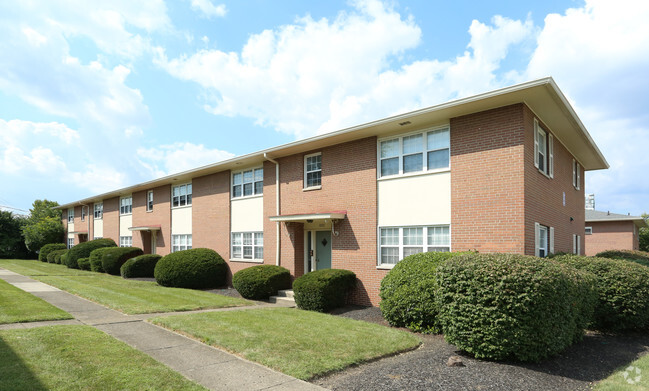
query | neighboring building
[611, 231]
[496, 172]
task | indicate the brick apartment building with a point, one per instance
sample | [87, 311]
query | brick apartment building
[611, 231]
[496, 172]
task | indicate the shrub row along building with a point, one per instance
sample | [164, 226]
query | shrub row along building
[497, 172]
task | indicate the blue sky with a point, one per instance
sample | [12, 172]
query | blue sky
[95, 96]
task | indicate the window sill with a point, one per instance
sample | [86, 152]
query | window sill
[384, 267]
[247, 260]
[182, 207]
[246, 197]
[413, 174]
[126, 214]
[312, 188]
[545, 174]
[150, 211]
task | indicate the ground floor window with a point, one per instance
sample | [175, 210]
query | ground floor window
[397, 243]
[181, 242]
[97, 237]
[70, 243]
[544, 240]
[247, 245]
[576, 244]
[126, 241]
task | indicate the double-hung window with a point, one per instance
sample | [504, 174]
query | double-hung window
[125, 205]
[149, 201]
[181, 242]
[181, 195]
[544, 240]
[313, 170]
[71, 215]
[83, 213]
[589, 231]
[576, 174]
[247, 245]
[125, 241]
[543, 150]
[427, 151]
[99, 210]
[576, 244]
[248, 183]
[397, 243]
[70, 243]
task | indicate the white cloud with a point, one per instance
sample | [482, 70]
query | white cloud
[208, 9]
[168, 159]
[98, 179]
[320, 75]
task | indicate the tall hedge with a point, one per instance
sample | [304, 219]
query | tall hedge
[506, 306]
[640, 257]
[113, 258]
[261, 281]
[48, 248]
[198, 268]
[95, 259]
[323, 290]
[623, 292]
[408, 292]
[54, 254]
[83, 250]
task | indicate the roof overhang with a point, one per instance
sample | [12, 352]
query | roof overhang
[145, 228]
[639, 221]
[310, 217]
[542, 96]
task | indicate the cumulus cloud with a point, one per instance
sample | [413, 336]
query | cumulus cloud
[168, 159]
[208, 9]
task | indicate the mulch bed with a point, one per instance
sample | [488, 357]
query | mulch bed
[578, 368]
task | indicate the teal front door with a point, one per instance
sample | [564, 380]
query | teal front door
[323, 250]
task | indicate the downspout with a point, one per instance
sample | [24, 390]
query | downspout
[277, 209]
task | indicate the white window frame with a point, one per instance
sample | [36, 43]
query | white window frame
[588, 231]
[405, 249]
[70, 243]
[576, 244]
[83, 213]
[126, 241]
[539, 232]
[125, 205]
[548, 153]
[149, 201]
[181, 242]
[576, 174]
[238, 246]
[98, 210]
[178, 199]
[70, 215]
[424, 152]
[238, 180]
[307, 171]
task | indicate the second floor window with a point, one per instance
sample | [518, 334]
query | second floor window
[125, 205]
[576, 174]
[149, 200]
[427, 151]
[543, 150]
[71, 215]
[248, 183]
[313, 170]
[182, 195]
[99, 210]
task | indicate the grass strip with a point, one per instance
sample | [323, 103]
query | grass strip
[17, 306]
[79, 358]
[30, 267]
[302, 344]
[634, 376]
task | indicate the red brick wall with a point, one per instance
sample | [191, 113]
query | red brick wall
[544, 196]
[111, 219]
[487, 192]
[348, 183]
[160, 215]
[611, 235]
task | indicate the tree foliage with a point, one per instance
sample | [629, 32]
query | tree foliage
[43, 225]
[12, 244]
[644, 235]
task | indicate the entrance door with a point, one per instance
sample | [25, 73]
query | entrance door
[323, 249]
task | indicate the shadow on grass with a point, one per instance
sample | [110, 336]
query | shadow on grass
[14, 374]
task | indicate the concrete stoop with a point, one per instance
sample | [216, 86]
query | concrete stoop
[283, 297]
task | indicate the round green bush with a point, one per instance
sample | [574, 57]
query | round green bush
[84, 263]
[54, 254]
[507, 306]
[113, 258]
[140, 266]
[83, 250]
[95, 259]
[48, 248]
[198, 268]
[640, 257]
[408, 292]
[623, 291]
[323, 290]
[262, 281]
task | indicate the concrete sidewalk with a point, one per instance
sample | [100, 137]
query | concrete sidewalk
[208, 366]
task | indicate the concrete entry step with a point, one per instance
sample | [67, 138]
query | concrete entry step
[285, 293]
[284, 297]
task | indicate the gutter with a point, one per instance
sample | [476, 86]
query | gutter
[277, 208]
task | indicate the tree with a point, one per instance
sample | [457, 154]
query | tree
[644, 234]
[43, 225]
[12, 244]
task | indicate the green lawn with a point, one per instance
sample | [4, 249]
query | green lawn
[128, 296]
[79, 358]
[17, 305]
[637, 372]
[299, 343]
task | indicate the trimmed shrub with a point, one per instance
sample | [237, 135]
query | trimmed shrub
[408, 292]
[262, 281]
[83, 250]
[323, 290]
[95, 259]
[623, 290]
[84, 263]
[61, 259]
[197, 268]
[54, 254]
[140, 266]
[507, 306]
[48, 248]
[640, 257]
[113, 258]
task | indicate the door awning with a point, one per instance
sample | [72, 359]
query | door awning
[309, 217]
[146, 228]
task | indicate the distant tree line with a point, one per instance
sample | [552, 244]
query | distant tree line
[22, 236]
